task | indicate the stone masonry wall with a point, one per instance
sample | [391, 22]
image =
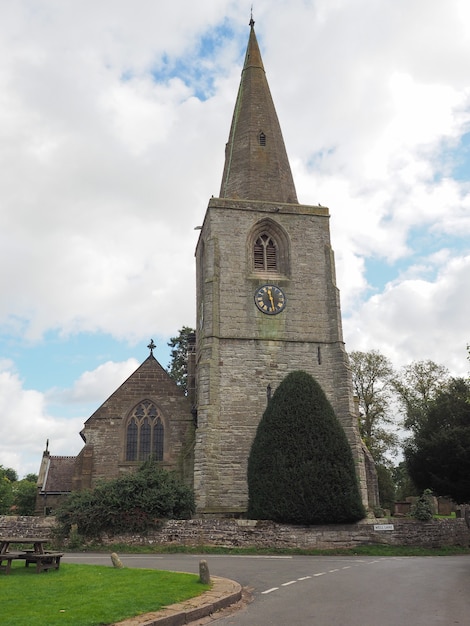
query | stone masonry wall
[265, 534]
[25, 526]
[240, 351]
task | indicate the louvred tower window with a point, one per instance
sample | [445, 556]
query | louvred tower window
[269, 249]
[265, 254]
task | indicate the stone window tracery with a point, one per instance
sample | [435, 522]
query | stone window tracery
[268, 246]
[265, 253]
[144, 433]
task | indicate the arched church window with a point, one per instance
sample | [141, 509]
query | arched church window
[145, 433]
[268, 247]
[262, 139]
[265, 253]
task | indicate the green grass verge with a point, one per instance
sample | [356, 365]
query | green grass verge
[89, 595]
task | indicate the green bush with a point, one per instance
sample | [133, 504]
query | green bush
[422, 508]
[135, 502]
[300, 468]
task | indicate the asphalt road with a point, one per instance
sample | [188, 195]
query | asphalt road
[330, 591]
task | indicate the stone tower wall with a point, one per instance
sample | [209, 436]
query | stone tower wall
[241, 350]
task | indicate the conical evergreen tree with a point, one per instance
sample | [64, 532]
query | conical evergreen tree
[301, 469]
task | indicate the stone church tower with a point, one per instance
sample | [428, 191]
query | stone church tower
[267, 302]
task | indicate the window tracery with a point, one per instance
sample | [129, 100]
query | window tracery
[268, 247]
[145, 433]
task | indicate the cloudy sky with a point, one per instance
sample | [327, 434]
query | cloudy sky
[113, 120]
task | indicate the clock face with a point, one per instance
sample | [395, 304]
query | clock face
[270, 299]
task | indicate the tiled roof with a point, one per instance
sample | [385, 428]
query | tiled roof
[59, 474]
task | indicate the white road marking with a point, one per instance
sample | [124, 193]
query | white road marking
[270, 590]
[331, 571]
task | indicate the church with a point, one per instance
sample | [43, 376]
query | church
[267, 304]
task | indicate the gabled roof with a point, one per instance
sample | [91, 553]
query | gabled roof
[58, 474]
[256, 163]
[149, 378]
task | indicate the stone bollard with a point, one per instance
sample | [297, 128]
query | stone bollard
[116, 560]
[204, 575]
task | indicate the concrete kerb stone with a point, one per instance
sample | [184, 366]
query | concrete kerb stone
[224, 592]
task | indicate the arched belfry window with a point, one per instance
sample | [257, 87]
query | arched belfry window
[265, 253]
[144, 433]
[262, 139]
[268, 247]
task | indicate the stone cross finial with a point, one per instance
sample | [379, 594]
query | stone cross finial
[151, 347]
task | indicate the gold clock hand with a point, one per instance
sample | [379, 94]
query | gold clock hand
[270, 296]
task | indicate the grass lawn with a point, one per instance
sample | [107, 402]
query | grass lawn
[89, 595]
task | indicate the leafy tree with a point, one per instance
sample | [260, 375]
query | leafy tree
[10, 473]
[386, 484]
[403, 483]
[135, 502]
[24, 496]
[372, 375]
[178, 366]
[438, 453]
[417, 386]
[7, 477]
[300, 468]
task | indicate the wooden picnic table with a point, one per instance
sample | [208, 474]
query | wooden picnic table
[44, 560]
[36, 542]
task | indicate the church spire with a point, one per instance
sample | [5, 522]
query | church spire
[256, 163]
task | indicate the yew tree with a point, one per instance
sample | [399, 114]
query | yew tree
[300, 468]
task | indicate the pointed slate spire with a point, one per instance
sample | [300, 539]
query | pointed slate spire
[256, 163]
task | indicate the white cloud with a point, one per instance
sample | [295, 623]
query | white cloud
[415, 319]
[27, 421]
[95, 386]
[25, 426]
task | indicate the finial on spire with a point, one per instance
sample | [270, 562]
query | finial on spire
[252, 21]
[47, 445]
[151, 347]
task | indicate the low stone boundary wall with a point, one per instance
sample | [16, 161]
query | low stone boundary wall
[264, 534]
[26, 526]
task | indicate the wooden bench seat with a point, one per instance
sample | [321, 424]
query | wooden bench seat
[8, 557]
[44, 562]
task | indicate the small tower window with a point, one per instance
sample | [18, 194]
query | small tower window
[265, 254]
[262, 139]
[268, 248]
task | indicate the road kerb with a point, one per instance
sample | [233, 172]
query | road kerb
[224, 592]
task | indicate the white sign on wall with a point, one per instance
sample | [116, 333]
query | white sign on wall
[384, 527]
